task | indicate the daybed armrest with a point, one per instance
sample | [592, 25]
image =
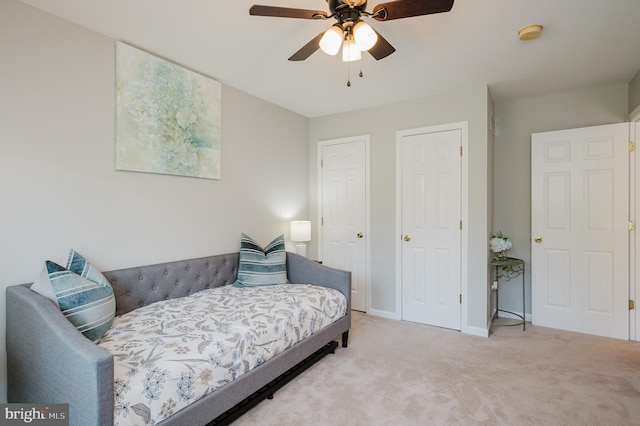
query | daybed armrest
[301, 270]
[64, 367]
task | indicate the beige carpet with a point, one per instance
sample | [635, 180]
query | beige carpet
[401, 373]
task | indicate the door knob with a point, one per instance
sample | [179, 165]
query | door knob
[538, 239]
[359, 235]
[407, 238]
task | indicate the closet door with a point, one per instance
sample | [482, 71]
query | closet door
[580, 235]
[344, 211]
[431, 213]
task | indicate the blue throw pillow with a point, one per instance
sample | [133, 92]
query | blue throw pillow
[89, 305]
[262, 266]
[78, 264]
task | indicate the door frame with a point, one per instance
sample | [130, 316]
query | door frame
[463, 126]
[367, 226]
[634, 207]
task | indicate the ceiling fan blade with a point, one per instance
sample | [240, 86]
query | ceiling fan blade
[308, 49]
[407, 8]
[286, 12]
[382, 48]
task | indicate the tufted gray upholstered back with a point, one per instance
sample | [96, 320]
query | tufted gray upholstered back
[143, 285]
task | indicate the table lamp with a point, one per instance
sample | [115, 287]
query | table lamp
[301, 232]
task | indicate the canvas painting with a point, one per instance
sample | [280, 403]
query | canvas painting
[168, 118]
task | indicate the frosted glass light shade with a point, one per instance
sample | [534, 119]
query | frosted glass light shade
[364, 35]
[332, 40]
[300, 230]
[350, 51]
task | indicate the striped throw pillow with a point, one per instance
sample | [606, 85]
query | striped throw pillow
[90, 306]
[78, 264]
[262, 266]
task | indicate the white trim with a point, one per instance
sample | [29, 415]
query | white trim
[398, 226]
[384, 314]
[463, 126]
[634, 318]
[464, 207]
[477, 331]
[634, 115]
[634, 289]
[367, 208]
[527, 317]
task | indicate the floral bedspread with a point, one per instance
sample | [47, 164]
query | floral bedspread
[171, 353]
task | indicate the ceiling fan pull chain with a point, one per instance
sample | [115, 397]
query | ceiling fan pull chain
[361, 73]
[348, 75]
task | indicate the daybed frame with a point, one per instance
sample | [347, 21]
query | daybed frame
[49, 361]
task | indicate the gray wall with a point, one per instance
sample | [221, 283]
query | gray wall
[58, 185]
[515, 121]
[382, 123]
[634, 93]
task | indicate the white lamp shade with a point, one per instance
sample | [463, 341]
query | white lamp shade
[332, 40]
[300, 230]
[350, 51]
[364, 35]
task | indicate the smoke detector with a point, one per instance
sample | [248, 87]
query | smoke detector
[530, 32]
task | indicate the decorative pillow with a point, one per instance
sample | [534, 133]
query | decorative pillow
[262, 266]
[89, 305]
[78, 264]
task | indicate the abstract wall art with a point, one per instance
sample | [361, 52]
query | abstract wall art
[168, 118]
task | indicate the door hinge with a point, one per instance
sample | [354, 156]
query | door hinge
[460, 150]
[632, 305]
[321, 163]
[632, 225]
[322, 221]
[632, 146]
[460, 225]
[461, 299]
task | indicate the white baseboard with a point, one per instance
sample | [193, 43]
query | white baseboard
[527, 317]
[384, 314]
[477, 331]
[474, 331]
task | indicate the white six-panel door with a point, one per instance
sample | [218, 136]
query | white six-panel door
[343, 211]
[431, 219]
[580, 236]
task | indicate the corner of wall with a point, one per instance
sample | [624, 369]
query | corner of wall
[634, 93]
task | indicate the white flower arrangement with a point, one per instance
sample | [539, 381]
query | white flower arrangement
[499, 243]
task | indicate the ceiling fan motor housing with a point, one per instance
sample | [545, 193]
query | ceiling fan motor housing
[347, 11]
[360, 4]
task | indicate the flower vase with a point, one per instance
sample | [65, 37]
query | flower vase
[500, 256]
[499, 243]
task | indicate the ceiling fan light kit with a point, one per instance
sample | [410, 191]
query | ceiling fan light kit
[353, 38]
[364, 35]
[331, 41]
[351, 32]
[350, 51]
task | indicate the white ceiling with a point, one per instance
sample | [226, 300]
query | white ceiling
[584, 43]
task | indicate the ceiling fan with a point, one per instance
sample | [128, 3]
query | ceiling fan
[350, 32]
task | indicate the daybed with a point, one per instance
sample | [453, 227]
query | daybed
[50, 361]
